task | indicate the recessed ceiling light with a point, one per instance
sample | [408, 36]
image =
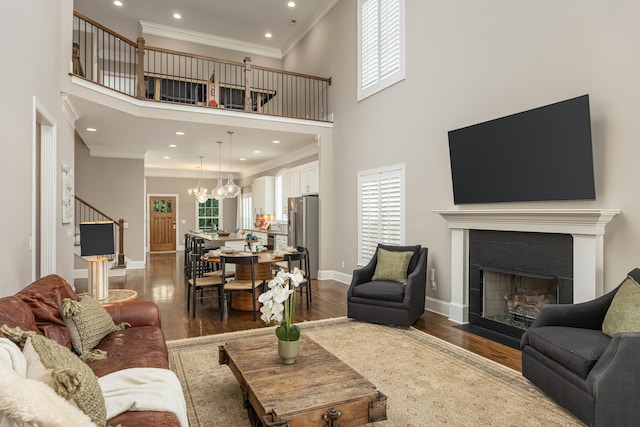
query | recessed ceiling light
[166, 157]
[117, 3]
[276, 141]
[242, 159]
[172, 145]
[177, 15]
[291, 4]
[179, 133]
[268, 35]
[257, 152]
[91, 129]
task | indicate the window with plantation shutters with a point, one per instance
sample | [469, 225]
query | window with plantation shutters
[380, 210]
[380, 45]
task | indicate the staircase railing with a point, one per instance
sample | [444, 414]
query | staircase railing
[85, 212]
[130, 67]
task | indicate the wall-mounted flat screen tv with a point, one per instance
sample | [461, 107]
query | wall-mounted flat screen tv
[541, 154]
[97, 238]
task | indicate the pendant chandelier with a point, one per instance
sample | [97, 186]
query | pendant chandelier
[231, 190]
[200, 192]
[218, 192]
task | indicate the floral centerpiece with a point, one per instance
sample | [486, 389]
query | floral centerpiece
[278, 304]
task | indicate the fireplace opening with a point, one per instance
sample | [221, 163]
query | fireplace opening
[515, 298]
[511, 276]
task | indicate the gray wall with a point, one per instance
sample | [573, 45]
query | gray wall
[469, 62]
[115, 187]
[186, 203]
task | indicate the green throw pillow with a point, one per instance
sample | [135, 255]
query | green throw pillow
[392, 266]
[624, 312]
[72, 378]
[88, 323]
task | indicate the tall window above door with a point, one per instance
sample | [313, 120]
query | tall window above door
[209, 215]
[381, 45]
[380, 209]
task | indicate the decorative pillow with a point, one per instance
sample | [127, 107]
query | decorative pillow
[392, 266]
[623, 314]
[88, 324]
[29, 402]
[72, 379]
[35, 369]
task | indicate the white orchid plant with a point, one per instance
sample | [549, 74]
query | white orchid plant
[278, 304]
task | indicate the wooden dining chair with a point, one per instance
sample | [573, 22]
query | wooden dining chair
[202, 283]
[187, 259]
[232, 285]
[300, 259]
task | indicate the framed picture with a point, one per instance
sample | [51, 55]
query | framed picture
[67, 194]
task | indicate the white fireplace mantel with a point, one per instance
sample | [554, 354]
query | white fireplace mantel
[587, 226]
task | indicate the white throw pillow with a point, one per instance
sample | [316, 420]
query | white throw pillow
[26, 402]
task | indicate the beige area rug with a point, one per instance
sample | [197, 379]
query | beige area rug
[428, 382]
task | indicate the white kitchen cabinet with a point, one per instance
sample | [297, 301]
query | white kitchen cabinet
[263, 195]
[281, 242]
[290, 187]
[236, 245]
[263, 238]
[309, 178]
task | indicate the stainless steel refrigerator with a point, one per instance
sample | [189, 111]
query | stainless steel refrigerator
[304, 229]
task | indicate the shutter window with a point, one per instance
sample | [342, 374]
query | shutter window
[380, 45]
[279, 204]
[380, 210]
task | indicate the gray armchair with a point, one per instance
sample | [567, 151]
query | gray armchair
[594, 376]
[387, 302]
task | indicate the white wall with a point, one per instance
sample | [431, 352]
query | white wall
[32, 33]
[467, 62]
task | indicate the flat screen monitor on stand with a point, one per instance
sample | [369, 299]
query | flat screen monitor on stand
[97, 240]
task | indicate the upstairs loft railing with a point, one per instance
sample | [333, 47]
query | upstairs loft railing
[111, 60]
[84, 212]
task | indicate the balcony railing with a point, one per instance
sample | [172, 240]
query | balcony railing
[111, 60]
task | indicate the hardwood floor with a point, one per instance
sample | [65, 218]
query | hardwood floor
[162, 281]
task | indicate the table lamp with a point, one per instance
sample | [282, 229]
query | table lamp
[97, 240]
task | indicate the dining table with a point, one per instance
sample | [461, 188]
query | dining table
[262, 271]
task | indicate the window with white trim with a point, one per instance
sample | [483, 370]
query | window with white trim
[381, 45]
[209, 215]
[247, 209]
[380, 209]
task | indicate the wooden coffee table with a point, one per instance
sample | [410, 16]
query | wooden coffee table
[318, 390]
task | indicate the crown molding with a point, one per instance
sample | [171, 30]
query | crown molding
[69, 110]
[208, 40]
[115, 154]
[303, 30]
[152, 172]
[299, 154]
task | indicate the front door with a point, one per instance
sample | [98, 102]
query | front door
[162, 223]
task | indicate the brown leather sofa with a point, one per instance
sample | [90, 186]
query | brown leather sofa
[37, 308]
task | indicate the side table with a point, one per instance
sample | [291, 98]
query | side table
[117, 295]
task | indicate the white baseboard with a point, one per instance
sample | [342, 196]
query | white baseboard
[83, 273]
[135, 265]
[334, 275]
[437, 306]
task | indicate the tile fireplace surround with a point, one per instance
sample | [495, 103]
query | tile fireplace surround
[585, 225]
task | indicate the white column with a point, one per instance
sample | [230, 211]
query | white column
[459, 306]
[588, 267]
